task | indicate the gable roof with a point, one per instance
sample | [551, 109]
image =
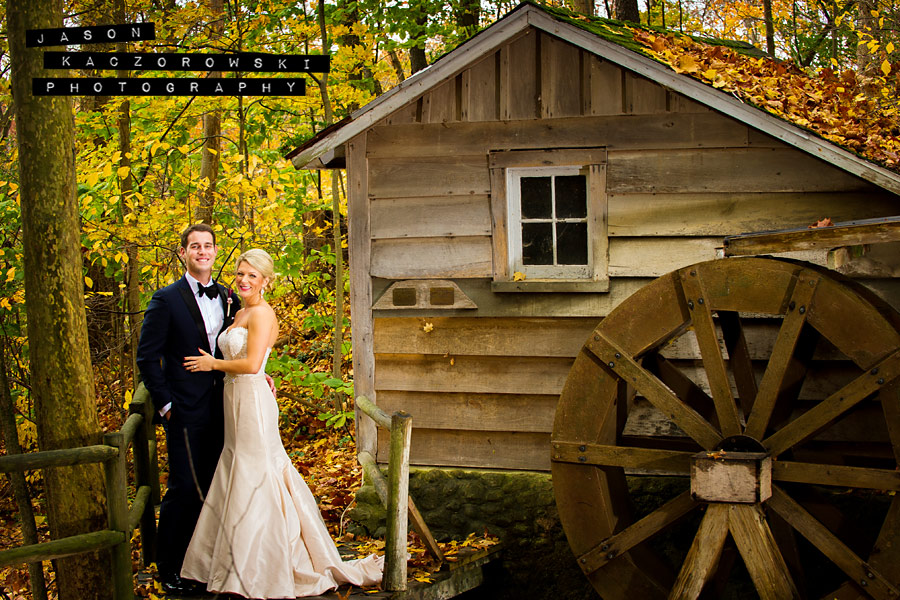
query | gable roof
[329, 142]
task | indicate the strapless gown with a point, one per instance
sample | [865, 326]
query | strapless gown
[260, 533]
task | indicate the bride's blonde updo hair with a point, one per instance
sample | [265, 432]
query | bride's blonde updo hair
[260, 260]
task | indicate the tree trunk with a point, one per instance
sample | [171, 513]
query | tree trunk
[417, 58]
[627, 10]
[469, 14]
[132, 270]
[212, 129]
[61, 377]
[336, 357]
[867, 26]
[770, 27]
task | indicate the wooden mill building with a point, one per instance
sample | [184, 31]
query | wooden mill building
[508, 197]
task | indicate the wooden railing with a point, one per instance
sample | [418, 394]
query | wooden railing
[121, 520]
[394, 494]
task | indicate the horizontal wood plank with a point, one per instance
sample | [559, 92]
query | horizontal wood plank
[870, 231]
[482, 336]
[439, 258]
[549, 304]
[428, 176]
[474, 412]
[730, 214]
[558, 337]
[725, 170]
[430, 217]
[476, 449]
[652, 257]
[628, 132]
[471, 374]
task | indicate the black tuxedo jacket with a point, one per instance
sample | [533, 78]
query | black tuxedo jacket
[172, 329]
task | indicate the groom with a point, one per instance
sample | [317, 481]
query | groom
[182, 317]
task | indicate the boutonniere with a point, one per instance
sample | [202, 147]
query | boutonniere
[228, 302]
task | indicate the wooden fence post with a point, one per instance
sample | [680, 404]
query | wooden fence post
[142, 395]
[398, 501]
[117, 514]
[142, 477]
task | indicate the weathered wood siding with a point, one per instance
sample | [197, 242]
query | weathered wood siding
[482, 384]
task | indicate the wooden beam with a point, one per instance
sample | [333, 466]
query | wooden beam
[360, 242]
[619, 456]
[608, 354]
[761, 555]
[61, 548]
[64, 457]
[836, 475]
[703, 557]
[638, 532]
[850, 233]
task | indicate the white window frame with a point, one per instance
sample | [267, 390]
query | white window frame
[507, 168]
[514, 214]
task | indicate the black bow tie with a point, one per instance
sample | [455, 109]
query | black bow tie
[210, 290]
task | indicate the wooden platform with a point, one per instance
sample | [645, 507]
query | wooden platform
[454, 578]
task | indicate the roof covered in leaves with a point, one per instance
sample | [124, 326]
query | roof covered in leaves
[827, 115]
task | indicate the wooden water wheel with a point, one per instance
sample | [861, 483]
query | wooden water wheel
[782, 448]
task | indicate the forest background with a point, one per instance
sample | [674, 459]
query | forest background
[145, 168]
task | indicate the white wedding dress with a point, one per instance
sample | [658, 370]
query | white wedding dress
[260, 533]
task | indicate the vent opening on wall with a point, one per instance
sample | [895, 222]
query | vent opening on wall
[424, 294]
[404, 296]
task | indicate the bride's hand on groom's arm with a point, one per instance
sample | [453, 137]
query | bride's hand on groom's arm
[204, 362]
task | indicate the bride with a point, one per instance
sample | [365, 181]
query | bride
[260, 533]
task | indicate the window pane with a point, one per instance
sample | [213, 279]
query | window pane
[537, 243]
[571, 197]
[536, 198]
[571, 243]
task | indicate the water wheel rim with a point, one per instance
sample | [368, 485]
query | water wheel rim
[588, 465]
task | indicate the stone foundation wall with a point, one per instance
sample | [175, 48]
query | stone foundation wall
[518, 507]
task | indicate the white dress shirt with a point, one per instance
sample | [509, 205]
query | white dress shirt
[211, 309]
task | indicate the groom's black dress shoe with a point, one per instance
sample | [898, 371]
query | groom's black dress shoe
[172, 583]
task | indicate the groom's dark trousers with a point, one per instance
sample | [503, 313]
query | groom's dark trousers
[173, 328]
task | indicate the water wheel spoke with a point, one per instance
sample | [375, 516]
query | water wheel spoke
[683, 386]
[711, 353]
[812, 421]
[761, 554]
[786, 540]
[703, 556]
[739, 358]
[610, 356]
[601, 455]
[836, 475]
[874, 583]
[775, 376]
[889, 396]
[637, 532]
[888, 538]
